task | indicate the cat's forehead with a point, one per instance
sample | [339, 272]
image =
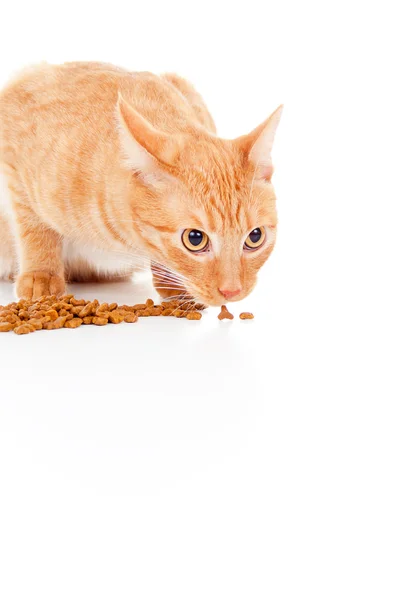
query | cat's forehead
[217, 183]
[223, 195]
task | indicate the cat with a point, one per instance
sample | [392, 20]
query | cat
[105, 170]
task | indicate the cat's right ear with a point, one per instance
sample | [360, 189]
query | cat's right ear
[147, 151]
[257, 146]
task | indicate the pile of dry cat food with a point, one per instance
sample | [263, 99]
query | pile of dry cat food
[50, 312]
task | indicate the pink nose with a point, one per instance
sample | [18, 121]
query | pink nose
[228, 294]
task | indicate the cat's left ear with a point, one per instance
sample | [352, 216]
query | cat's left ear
[258, 144]
[148, 151]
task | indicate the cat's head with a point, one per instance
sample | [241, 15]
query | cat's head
[210, 209]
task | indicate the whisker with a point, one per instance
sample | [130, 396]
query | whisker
[155, 266]
[178, 289]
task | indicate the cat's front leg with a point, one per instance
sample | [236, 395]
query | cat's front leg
[41, 269]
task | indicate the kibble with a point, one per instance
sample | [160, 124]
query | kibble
[50, 313]
[225, 314]
[23, 329]
[36, 323]
[53, 314]
[116, 317]
[194, 316]
[102, 308]
[100, 321]
[56, 324]
[75, 302]
[130, 318]
[74, 323]
[246, 315]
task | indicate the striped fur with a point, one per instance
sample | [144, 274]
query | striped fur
[103, 169]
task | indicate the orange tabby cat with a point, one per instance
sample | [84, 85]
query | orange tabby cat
[104, 170]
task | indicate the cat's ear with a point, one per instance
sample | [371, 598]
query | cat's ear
[146, 149]
[258, 144]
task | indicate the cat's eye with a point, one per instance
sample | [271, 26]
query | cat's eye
[195, 240]
[255, 239]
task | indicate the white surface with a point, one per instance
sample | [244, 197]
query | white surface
[257, 460]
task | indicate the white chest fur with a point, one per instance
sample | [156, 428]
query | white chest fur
[103, 262]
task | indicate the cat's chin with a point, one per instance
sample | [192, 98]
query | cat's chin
[217, 302]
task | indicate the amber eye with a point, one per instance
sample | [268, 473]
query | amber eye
[255, 239]
[195, 240]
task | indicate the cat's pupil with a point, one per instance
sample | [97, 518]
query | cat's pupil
[255, 235]
[195, 237]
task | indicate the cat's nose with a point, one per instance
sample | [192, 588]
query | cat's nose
[228, 294]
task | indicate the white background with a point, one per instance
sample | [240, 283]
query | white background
[245, 460]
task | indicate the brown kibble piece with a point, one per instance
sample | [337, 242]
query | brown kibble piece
[53, 314]
[57, 324]
[115, 317]
[36, 323]
[75, 302]
[73, 323]
[188, 306]
[170, 304]
[137, 307]
[87, 310]
[87, 320]
[23, 329]
[100, 321]
[104, 315]
[150, 303]
[130, 318]
[67, 306]
[10, 317]
[125, 307]
[38, 314]
[194, 316]
[246, 315]
[225, 314]
[103, 308]
[4, 327]
[33, 307]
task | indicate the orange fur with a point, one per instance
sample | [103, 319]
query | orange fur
[106, 168]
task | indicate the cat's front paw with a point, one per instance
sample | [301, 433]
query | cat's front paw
[39, 283]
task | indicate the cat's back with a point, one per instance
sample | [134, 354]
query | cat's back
[87, 93]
